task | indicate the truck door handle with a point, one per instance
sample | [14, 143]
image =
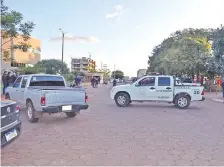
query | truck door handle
[168, 88]
[16, 90]
[152, 88]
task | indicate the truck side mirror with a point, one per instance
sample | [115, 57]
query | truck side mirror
[137, 84]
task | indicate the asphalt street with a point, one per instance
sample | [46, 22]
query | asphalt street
[141, 134]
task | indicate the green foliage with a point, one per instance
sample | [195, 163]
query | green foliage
[28, 70]
[13, 25]
[76, 73]
[106, 73]
[118, 74]
[215, 65]
[184, 52]
[51, 66]
[69, 77]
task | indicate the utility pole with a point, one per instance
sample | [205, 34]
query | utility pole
[62, 49]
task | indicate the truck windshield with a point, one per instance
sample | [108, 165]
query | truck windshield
[47, 81]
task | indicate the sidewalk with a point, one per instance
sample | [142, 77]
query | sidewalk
[217, 97]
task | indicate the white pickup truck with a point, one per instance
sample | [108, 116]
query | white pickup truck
[157, 88]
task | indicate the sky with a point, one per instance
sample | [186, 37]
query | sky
[119, 33]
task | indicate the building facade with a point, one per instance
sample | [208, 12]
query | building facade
[18, 58]
[141, 73]
[83, 64]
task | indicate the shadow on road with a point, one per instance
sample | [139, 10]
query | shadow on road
[159, 106]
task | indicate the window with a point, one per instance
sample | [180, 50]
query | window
[24, 82]
[17, 82]
[47, 81]
[164, 81]
[150, 81]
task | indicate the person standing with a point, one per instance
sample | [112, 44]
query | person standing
[12, 79]
[4, 82]
[7, 80]
[114, 82]
[222, 88]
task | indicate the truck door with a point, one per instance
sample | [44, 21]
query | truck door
[13, 91]
[145, 89]
[21, 90]
[164, 88]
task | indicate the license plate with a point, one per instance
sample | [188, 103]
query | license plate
[66, 108]
[10, 135]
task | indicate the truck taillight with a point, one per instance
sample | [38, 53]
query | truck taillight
[203, 92]
[42, 100]
[17, 108]
[86, 97]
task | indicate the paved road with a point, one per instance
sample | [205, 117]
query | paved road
[142, 134]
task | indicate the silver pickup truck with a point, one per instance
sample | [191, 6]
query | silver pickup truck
[43, 93]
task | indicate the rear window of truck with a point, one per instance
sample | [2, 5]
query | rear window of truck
[47, 81]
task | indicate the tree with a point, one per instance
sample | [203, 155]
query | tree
[118, 74]
[29, 70]
[106, 73]
[216, 64]
[51, 66]
[13, 26]
[184, 52]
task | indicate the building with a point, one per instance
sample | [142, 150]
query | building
[83, 64]
[20, 58]
[141, 73]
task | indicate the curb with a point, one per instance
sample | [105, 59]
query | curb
[218, 100]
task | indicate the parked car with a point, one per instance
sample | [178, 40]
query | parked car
[10, 122]
[43, 93]
[157, 88]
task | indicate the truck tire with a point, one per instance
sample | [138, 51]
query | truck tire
[122, 99]
[71, 114]
[31, 113]
[7, 96]
[182, 101]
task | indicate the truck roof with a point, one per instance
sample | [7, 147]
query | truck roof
[42, 75]
[158, 75]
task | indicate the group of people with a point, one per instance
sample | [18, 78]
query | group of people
[77, 81]
[8, 78]
[95, 81]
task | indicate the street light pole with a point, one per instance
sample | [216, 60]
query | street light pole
[62, 49]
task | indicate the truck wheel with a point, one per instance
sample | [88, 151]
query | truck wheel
[122, 99]
[182, 101]
[71, 114]
[7, 96]
[31, 113]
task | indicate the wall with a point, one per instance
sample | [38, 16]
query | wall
[32, 56]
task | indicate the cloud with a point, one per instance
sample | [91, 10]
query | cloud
[89, 39]
[138, 26]
[118, 8]
[118, 11]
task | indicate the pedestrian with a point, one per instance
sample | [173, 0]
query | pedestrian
[7, 79]
[96, 82]
[4, 82]
[12, 79]
[114, 82]
[223, 88]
